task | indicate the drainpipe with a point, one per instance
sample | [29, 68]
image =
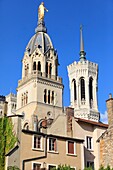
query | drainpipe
[35, 158]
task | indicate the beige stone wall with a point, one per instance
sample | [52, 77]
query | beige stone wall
[109, 104]
[81, 130]
[106, 148]
[13, 159]
[56, 158]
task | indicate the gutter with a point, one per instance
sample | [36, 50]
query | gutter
[36, 158]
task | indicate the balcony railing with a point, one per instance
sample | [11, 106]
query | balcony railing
[36, 73]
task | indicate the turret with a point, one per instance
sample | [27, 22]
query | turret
[83, 78]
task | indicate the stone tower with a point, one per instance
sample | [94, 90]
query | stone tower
[39, 92]
[83, 79]
[109, 104]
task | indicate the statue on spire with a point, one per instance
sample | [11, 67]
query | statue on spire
[41, 10]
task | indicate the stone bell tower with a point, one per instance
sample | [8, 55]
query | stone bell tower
[83, 79]
[39, 92]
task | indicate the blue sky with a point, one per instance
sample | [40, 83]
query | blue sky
[18, 20]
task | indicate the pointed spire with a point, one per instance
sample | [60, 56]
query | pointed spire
[82, 52]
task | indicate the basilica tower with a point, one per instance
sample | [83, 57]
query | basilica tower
[83, 79]
[39, 92]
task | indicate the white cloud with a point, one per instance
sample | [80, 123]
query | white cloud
[104, 117]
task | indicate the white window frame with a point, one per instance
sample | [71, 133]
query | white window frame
[41, 148]
[89, 137]
[51, 165]
[74, 147]
[56, 146]
[73, 167]
[37, 163]
[89, 162]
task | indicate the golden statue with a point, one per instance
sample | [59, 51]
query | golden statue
[41, 10]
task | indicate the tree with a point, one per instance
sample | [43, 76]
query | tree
[7, 139]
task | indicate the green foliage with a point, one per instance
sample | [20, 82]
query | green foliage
[13, 168]
[7, 139]
[89, 168]
[102, 168]
[63, 167]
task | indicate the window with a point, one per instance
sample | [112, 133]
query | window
[90, 164]
[49, 96]
[34, 66]
[74, 86]
[90, 89]
[46, 69]
[45, 93]
[82, 83]
[37, 142]
[39, 66]
[89, 142]
[26, 98]
[50, 69]
[52, 144]
[71, 147]
[26, 126]
[36, 166]
[50, 167]
[22, 100]
[52, 97]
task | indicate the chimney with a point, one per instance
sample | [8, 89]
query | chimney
[109, 104]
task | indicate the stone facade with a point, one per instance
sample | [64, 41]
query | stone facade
[49, 134]
[106, 139]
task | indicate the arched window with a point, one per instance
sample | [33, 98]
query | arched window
[39, 66]
[34, 66]
[52, 101]
[25, 70]
[90, 88]
[74, 87]
[82, 85]
[26, 126]
[15, 106]
[49, 96]
[50, 69]
[45, 94]
[22, 100]
[46, 69]
[26, 97]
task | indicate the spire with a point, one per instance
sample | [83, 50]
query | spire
[82, 52]
[41, 24]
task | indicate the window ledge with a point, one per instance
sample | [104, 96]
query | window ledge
[37, 149]
[91, 150]
[69, 154]
[54, 152]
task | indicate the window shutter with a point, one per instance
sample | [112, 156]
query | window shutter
[70, 147]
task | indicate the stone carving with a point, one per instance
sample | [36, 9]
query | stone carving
[41, 10]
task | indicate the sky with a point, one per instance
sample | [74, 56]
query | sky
[18, 20]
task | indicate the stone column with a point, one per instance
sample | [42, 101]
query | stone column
[87, 92]
[77, 92]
